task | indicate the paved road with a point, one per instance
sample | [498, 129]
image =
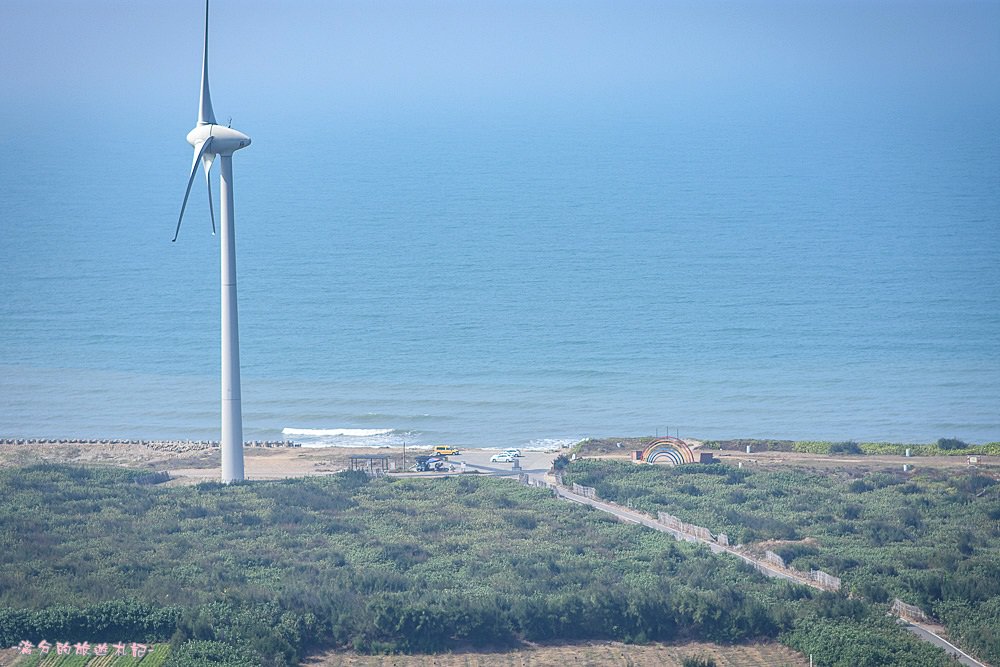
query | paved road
[928, 635]
[535, 464]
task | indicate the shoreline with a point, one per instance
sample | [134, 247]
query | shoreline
[177, 445]
[143, 442]
[189, 462]
[192, 461]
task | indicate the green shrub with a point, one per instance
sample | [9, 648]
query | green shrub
[203, 653]
[845, 448]
[951, 443]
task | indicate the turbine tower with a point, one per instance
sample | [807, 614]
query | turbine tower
[210, 140]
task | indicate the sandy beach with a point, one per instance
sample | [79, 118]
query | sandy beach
[192, 462]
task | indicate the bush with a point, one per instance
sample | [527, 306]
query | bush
[951, 443]
[203, 653]
[858, 486]
[849, 447]
[153, 478]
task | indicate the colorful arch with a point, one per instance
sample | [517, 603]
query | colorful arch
[668, 450]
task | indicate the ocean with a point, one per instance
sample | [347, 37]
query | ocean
[516, 278]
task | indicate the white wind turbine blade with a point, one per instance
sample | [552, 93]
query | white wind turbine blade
[206, 116]
[187, 193]
[206, 162]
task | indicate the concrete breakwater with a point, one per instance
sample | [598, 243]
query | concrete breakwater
[155, 444]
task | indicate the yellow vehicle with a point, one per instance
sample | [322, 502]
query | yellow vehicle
[445, 450]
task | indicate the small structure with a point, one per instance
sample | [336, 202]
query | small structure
[372, 464]
[672, 451]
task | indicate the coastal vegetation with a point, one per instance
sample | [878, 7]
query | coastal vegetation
[266, 573]
[942, 447]
[930, 538]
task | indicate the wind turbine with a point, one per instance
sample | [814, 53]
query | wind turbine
[211, 140]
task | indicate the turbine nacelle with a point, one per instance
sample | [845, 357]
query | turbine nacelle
[225, 140]
[209, 140]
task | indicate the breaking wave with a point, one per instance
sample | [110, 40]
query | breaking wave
[349, 437]
[337, 432]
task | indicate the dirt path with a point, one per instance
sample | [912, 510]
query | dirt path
[591, 654]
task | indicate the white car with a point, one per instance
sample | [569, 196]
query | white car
[512, 451]
[502, 457]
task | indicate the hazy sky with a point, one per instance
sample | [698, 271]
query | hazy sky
[65, 59]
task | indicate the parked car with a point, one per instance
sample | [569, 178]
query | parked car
[428, 464]
[445, 450]
[513, 451]
[502, 457]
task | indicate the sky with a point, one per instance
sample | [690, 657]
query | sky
[137, 61]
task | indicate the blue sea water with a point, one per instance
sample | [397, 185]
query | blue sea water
[521, 279]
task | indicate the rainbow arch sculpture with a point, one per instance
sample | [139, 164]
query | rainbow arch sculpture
[672, 451]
